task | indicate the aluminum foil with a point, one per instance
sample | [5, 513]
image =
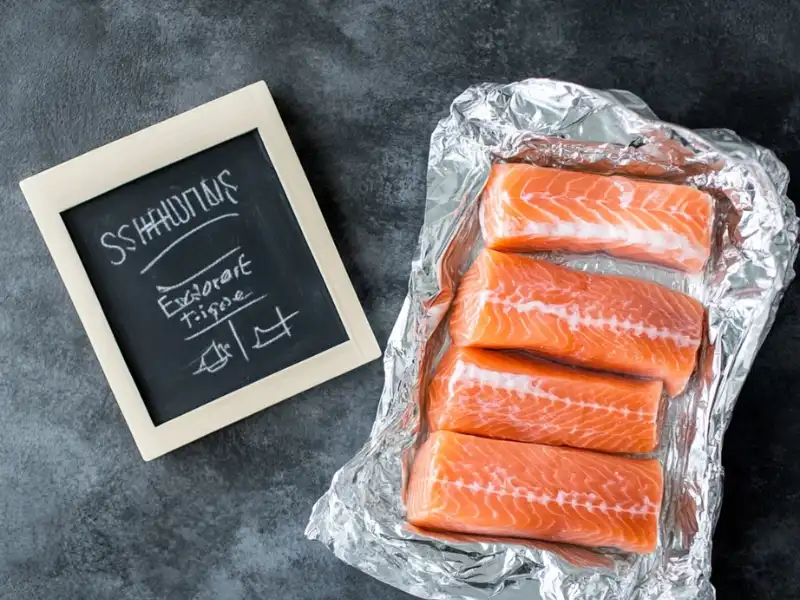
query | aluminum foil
[553, 123]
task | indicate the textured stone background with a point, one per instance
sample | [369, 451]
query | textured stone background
[361, 86]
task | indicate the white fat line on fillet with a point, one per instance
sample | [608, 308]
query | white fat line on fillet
[495, 417]
[626, 198]
[652, 239]
[580, 229]
[584, 434]
[514, 382]
[574, 319]
[562, 498]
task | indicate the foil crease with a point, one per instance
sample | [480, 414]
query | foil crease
[553, 123]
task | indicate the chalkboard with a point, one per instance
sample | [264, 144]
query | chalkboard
[201, 267]
[204, 276]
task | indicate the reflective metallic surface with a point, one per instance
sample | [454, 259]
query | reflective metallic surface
[554, 123]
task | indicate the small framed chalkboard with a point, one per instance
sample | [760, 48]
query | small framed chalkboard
[202, 269]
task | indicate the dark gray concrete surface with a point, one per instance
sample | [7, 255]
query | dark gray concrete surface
[361, 86]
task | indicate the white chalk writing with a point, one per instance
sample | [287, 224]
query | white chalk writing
[214, 358]
[169, 214]
[238, 341]
[218, 289]
[281, 327]
[226, 317]
[195, 292]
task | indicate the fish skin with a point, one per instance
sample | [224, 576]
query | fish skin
[576, 556]
[604, 322]
[466, 484]
[492, 394]
[526, 208]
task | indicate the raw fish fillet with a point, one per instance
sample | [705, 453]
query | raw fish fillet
[495, 395]
[476, 485]
[528, 208]
[605, 322]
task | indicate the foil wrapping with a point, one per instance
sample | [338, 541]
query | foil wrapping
[552, 123]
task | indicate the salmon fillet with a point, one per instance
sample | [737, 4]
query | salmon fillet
[605, 322]
[481, 486]
[495, 395]
[528, 208]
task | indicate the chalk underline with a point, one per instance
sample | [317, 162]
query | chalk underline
[183, 237]
[164, 289]
[225, 318]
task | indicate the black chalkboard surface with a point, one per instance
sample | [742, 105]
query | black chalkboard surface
[205, 276]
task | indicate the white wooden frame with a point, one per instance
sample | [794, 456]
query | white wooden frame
[83, 178]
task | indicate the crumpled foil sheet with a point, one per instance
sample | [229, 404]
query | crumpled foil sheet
[553, 123]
